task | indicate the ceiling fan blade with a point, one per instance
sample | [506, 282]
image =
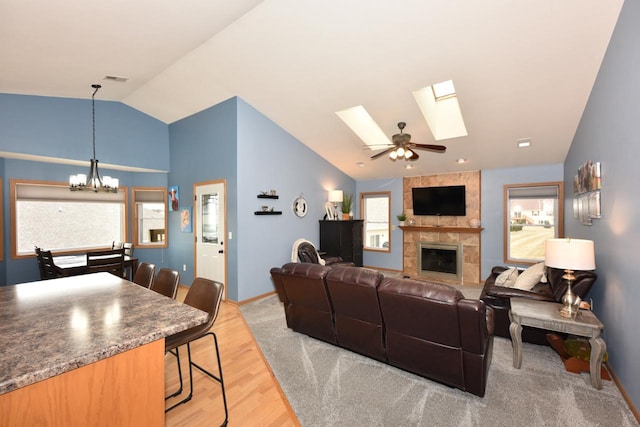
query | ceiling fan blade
[430, 147]
[382, 153]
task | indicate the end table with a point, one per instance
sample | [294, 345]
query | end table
[546, 315]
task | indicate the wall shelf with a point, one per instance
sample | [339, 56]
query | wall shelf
[267, 213]
[435, 229]
[267, 196]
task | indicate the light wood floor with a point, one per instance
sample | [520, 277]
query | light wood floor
[254, 397]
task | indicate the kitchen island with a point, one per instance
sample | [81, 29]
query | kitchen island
[85, 350]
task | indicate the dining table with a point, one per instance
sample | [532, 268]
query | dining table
[86, 349]
[73, 265]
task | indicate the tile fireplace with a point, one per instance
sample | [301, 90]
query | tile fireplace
[440, 260]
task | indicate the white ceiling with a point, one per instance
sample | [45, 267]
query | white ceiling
[522, 69]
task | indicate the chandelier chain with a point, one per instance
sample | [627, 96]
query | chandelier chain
[93, 110]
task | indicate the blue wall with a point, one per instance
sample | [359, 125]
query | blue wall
[235, 142]
[492, 210]
[270, 158]
[61, 127]
[203, 148]
[388, 260]
[608, 133]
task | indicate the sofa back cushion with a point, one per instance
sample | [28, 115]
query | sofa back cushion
[358, 321]
[580, 286]
[423, 328]
[310, 311]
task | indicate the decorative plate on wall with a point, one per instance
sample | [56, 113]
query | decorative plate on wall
[300, 207]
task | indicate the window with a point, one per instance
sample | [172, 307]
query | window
[374, 208]
[50, 216]
[150, 217]
[533, 213]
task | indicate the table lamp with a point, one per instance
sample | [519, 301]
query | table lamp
[570, 255]
[335, 197]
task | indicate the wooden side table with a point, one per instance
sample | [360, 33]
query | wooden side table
[546, 315]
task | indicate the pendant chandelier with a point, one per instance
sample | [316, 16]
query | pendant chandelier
[93, 182]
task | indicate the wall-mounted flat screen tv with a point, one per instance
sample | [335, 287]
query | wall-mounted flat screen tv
[446, 201]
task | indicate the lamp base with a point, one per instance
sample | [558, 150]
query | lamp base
[570, 301]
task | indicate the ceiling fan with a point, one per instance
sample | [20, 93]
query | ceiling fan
[404, 148]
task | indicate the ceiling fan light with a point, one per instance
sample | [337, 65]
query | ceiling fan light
[408, 154]
[400, 151]
[393, 155]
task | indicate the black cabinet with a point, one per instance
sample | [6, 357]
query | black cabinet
[342, 238]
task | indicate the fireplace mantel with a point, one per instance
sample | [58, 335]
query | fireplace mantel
[435, 229]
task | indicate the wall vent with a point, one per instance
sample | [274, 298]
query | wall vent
[116, 78]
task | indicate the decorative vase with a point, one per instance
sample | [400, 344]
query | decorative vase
[401, 223]
[474, 223]
[345, 216]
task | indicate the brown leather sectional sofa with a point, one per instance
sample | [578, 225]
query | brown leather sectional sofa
[425, 328]
[499, 298]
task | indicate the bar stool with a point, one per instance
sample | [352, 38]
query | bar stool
[144, 274]
[166, 282]
[205, 295]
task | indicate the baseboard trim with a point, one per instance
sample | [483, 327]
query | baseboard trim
[625, 396]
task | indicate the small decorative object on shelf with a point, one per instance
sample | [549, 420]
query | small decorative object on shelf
[411, 222]
[474, 223]
[347, 199]
[402, 217]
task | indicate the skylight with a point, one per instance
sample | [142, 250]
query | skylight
[440, 108]
[443, 90]
[363, 125]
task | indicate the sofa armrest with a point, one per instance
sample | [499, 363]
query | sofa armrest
[476, 325]
[505, 292]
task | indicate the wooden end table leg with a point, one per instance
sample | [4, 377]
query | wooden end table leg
[598, 348]
[515, 329]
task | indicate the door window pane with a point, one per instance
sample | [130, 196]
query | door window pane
[209, 222]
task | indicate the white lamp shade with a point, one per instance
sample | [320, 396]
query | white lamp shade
[570, 254]
[335, 196]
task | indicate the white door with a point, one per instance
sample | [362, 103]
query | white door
[209, 221]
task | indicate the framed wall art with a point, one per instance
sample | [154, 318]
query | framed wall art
[587, 185]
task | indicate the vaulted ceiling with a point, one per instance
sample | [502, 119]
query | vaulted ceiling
[522, 69]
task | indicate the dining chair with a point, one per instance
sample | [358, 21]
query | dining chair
[166, 282]
[144, 274]
[48, 269]
[205, 295]
[110, 260]
[128, 247]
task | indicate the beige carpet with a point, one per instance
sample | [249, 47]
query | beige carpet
[329, 386]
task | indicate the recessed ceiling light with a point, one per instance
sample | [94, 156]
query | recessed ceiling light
[526, 142]
[361, 164]
[408, 166]
[461, 160]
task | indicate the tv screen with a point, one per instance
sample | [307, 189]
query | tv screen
[447, 201]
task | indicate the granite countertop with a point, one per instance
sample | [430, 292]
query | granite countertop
[53, 326]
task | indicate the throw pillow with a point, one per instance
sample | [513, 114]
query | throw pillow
[530, 277]
[507, 278]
